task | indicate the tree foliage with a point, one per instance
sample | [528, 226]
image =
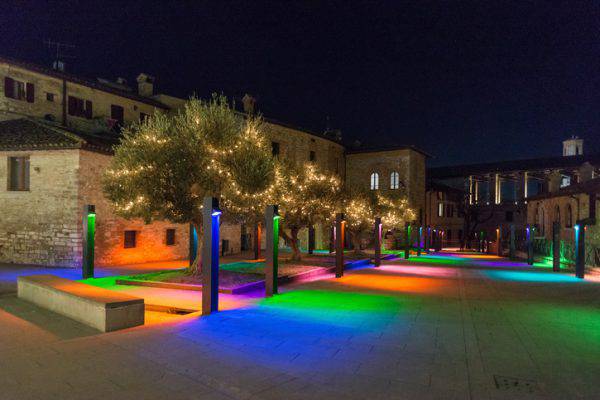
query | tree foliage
[306, 196]
[165, 166]
[361, 206]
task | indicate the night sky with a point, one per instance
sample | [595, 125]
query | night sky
[465, 81]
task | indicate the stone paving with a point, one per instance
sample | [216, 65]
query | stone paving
[442, 327]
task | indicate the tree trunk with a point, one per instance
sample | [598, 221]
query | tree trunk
[296, 254]
[355, 237]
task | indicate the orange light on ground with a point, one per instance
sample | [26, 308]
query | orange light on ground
[391, 283]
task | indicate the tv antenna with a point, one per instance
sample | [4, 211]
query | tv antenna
[60, 51]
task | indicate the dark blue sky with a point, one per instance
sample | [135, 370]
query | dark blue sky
[465, 81]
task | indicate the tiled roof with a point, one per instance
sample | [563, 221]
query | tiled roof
[386, 148]
[30, 134]
[83, 81]
[591, 186]
[532, 164]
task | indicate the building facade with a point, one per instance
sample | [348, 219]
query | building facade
[56, 136]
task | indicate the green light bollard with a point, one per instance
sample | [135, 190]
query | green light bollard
[340, 231]
[272, 257]
[210, 255]
[193, 251]
[89, 232]
[377, 244]
[406, 240]
[580, 251]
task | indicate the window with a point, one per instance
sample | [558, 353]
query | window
[312, 156]
[18, 90]
[116, 113]
[374, 181]
[449, 235]
[275, 149]
[565, 181]
[130, 239]
[449, 210]
[50, 97]
[440, 209]
[569, 217]
[18, 173]
[170, 239]
[557, 214]
[80, 108]
[394, 180]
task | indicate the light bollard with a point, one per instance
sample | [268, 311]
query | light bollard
[193, 251]
[271, 258]
[529, 237]
[499, 241]
[556, 246]
[210, 255]
[580, 251]
[420, 245]
[340, 230]
[377, 244]
[89, 232]
[406, 240]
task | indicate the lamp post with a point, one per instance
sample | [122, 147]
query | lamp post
[311, 239]
[271, 260]
[427, 240]
[210, 255]
[377, 245]
[89, 232]
[340, 228]
[499, 241]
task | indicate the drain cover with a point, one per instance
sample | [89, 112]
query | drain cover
[516, 384]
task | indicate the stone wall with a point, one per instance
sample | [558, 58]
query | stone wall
[40, 226]
[408, 163]
[44, 84]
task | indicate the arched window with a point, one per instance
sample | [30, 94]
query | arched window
[374, 181]
[557, 214]
[569, 217]
[539, 220]
[394, 180]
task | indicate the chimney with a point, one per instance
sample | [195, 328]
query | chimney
[145, 85]
[554, 179]
[573, 147]
[249, 103]
[586, 172]
[59, 65]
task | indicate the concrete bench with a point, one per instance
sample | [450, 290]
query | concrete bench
[102, 309]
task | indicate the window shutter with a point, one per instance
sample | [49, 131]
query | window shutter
[9, 87]
[72, 106]
[30, 92]
[88, 109]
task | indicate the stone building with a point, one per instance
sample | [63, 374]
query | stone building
[56, 136]
[572, 207]
[445, 212]
[497, 193]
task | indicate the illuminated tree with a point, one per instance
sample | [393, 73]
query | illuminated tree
[165, 166]
[306, 196]
[361, 206]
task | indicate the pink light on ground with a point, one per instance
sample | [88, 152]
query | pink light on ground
[420, 271]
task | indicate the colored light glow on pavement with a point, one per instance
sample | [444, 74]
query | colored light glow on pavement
[531, 276]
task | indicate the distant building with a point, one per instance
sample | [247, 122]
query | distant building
[497, 193]
[56, 136]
